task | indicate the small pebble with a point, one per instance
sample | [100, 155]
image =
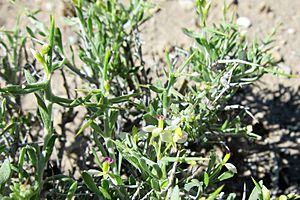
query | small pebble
[247, 173]
[291, 31]
[259, 115]
[277, 56]
[49, 6]
[243, 22]
[186, 4]
[124, 177]
[293, 134]
[285, 161]
[261, 169]
[260, 176]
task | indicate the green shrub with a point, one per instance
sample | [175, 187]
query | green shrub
[151, 156]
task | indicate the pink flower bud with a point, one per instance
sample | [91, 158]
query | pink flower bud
[108, 160]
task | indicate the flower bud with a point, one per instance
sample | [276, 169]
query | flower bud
[106, 88]
[106, 164]
[160, 119]
[38, 57]
[45, 49]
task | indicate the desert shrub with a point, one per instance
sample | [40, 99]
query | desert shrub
[145, 137]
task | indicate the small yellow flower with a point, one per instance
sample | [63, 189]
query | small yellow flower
[169, 134]
[180, 136]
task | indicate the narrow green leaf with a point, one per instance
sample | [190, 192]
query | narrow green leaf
[182, 159]
[226, 175]
[144, 166]
[156, 89]
[21, 162]
[206, 179]
[105, 184]
[256, 184]
[231, 167]
[214, 195]
[231, 196]
[122, 98]
[30, 32]
[266, 193]
[191, 34]
[90, 26]
[226, 158]
[87, 124]
[88, 180]
[155, 184]
[8, 127]
[256, 192]
[2, 148]
[116, 179]
[43, 110]
[49, 147]
[113, 119]
[105, 193]
[157, 171]
[78, 3]
[32, 156]
[194, 183]
[5, 172]
[225, 124]
[72, 190]
[131, 180]
[58, 40]
[169, 62]
[3, 107]
[150, 120]
[51, 32]
[51, 46]
[175, 193]
[97, 160]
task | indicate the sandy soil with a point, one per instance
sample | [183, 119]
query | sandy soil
[275, 101]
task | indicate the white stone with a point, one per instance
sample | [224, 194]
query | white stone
[243, 22]
[291, 31]
[187, 4]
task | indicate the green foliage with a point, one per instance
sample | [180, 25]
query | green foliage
[145, 152]
[5, 172]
